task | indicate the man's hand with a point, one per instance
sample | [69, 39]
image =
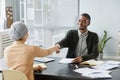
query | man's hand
[77, 59]
[58, 48]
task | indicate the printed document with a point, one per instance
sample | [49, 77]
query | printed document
[105, 66]
[66, 60]
[93, 73]
[113, 62]
[90, 71]
[98, 75]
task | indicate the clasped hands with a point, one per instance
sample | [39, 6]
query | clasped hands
[57, 48]
[76, 60]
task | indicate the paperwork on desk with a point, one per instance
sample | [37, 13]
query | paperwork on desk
[98, 75]
[107, 65]
[93, 73]
[113, 62]
[66, 60]
[100, 70]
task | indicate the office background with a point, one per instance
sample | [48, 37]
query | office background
[61, 15]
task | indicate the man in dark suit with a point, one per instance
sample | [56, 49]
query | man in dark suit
[82, 44]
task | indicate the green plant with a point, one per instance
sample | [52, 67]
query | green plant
[103, 42]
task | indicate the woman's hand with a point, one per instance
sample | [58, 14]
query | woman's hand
[37, 68]
[58, 48]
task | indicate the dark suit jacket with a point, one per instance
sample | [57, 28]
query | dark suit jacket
[71, 40]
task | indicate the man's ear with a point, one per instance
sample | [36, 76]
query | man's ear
[88, 23]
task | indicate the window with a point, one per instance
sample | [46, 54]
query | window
[2, 14]
[45, 17]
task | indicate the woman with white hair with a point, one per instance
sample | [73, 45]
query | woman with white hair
[20, 56]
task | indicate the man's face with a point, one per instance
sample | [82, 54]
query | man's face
[83, 23]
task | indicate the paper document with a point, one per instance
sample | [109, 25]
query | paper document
[93, 73]
[105, 66]
[90, 71]
[113, 62]
[66, 60]
[98, 75]
[43, 59]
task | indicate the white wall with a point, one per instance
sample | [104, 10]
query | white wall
[105, 16]
[66, 12]
[63, 12]
[60, 16]
[2, 8]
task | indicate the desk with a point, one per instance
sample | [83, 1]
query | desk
[57, 71]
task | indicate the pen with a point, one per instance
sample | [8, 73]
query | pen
[76, 66]
[96, 72]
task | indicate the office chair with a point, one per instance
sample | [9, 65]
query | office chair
[14, 75]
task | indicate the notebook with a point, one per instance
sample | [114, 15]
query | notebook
[92, 62]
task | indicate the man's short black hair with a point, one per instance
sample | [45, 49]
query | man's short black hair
[87, 16]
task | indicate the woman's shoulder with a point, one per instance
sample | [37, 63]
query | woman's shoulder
[32, 47]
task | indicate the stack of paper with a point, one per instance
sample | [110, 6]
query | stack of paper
[113, 62]
[94, 73]
[98, 75]
[107, 65]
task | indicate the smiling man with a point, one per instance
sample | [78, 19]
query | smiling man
[82, 44]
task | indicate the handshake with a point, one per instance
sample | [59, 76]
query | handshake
[57, 48]
[76, 59]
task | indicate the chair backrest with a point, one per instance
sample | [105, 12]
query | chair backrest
[14, 75]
